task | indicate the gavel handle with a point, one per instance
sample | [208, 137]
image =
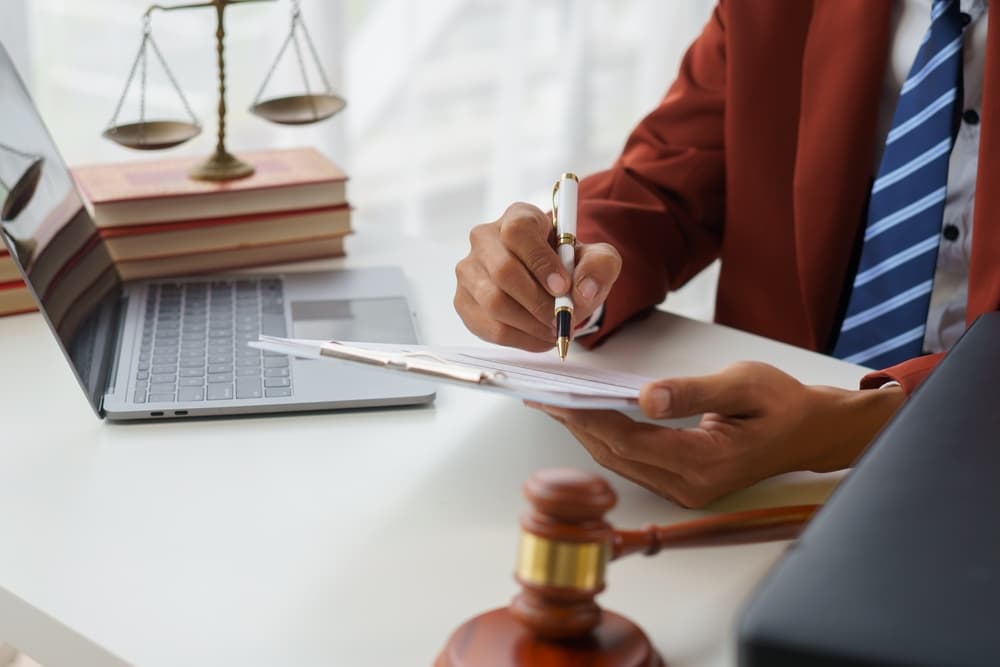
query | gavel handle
[776, 523]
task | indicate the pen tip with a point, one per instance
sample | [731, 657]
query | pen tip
[563, 344]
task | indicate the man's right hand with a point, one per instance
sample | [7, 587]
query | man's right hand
[508, 283]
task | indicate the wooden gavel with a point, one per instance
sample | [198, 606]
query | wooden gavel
[565, 547]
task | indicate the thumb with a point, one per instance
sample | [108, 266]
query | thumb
[597, 269]
[728, 392]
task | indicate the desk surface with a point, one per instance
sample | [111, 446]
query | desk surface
[353, 538]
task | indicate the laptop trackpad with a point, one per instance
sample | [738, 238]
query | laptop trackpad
[378, 320]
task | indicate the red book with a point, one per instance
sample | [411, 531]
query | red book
[15, 298]
[171, 239]
[8, 272]
[147, 192]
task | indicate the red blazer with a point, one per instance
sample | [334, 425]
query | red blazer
[762, 154]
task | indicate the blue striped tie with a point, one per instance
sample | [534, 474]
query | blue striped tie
[887, 312]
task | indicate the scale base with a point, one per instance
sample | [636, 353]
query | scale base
[497, 639]
[221, 166]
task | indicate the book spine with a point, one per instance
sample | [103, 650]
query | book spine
[199, 223]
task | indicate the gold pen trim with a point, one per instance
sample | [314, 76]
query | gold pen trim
[562, 308]
[566, 239]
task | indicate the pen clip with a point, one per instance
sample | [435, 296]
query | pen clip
[555, 205]
[555, 199]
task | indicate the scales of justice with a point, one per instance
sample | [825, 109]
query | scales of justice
[305, 108]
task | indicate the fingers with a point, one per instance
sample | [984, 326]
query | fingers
[743, 389]
[496, 296]
[507, 284]
[643, 453]
[597, 269]
[503, 321]
[526, 233]
[628, 439]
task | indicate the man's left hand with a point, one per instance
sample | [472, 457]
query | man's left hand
[756, 422]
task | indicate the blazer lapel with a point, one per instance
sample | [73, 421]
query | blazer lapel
[843, 69]
[984, 267]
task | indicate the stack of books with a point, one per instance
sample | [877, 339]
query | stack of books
[14, 296]
[156, 222]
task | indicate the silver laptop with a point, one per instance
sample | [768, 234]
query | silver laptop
[178, 348]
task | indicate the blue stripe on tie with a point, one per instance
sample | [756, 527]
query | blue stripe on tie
[903, 214]
[941, 56]
[887, 306]
[924, 158]
[939, 9]
[897, 259]
[946, 100]
[913, 334]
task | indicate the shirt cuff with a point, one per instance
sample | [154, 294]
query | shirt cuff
[592, 324]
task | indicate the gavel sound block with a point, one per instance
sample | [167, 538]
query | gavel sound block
[565, 547]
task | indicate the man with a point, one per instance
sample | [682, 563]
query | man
[826, 151]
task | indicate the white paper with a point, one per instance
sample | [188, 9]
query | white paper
[538, 377]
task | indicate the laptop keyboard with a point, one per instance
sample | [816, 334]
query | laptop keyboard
[194, 342]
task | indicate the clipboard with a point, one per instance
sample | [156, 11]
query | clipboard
[528, 376]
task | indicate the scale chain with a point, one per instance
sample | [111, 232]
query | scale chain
[292, 38]
[302, 66]
[315, 54]
[173, 82]
[141, 58]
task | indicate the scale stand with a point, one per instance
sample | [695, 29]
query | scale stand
[146, 134]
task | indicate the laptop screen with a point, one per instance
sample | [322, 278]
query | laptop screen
[53, 239]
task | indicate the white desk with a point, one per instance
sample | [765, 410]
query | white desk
[356, 539]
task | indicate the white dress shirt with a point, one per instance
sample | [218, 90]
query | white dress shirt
[911, 18]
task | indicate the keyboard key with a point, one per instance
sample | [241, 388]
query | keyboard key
[192, 382]
[220, 392]
[192, 372]
[161, 398]
[275, 362]
[142, 375]
[275, 372]
[278, 392]
[216, 378]
[191, 394]
[248, 361]
[164, 368]
[161, 387]
[158, 378]
[248, 371]
[277, 382]
[140, 396]
[248, 387]
[220, 368]
[272, 324]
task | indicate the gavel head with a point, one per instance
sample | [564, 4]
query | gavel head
[565, 547]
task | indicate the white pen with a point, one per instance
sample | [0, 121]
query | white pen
[564, 195]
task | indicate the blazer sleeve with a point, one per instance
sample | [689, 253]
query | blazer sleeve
[908, 374]
[662, 203]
